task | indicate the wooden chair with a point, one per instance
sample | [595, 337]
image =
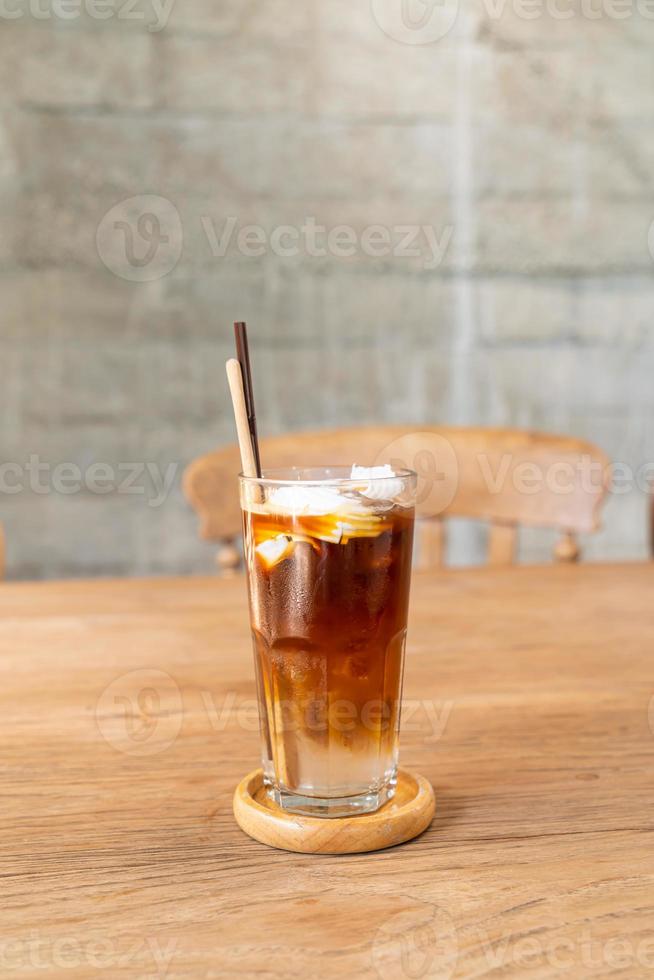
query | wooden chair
[504, 477]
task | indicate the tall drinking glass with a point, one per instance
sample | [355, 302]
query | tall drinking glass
[328, 555]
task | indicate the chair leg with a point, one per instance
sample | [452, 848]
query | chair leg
[567, 549]
[430, 541]
[228, 559]
[502, 540]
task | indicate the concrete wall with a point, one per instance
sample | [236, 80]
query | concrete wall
[520, 138]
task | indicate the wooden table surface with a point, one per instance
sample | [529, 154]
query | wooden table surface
[128, 718]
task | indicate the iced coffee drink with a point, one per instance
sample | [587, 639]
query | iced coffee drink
[328, 556]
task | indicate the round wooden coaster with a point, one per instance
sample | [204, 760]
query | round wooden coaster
[405, 816]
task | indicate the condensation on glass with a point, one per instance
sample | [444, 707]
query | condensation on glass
[328, 560]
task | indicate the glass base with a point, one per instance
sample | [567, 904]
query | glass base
[340, 806]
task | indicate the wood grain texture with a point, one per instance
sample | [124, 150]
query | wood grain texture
[404, 817]
[506, 477]
[128, 719]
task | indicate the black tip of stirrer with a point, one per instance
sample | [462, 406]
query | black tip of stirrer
[243, 355]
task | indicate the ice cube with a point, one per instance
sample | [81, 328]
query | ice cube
[275, 550]
[311, 501]
[381, 483]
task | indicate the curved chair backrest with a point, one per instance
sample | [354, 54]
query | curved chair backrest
[506, 477]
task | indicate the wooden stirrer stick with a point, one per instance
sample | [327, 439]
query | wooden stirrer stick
[235, 379]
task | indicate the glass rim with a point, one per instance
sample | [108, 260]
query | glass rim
[269, 479]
